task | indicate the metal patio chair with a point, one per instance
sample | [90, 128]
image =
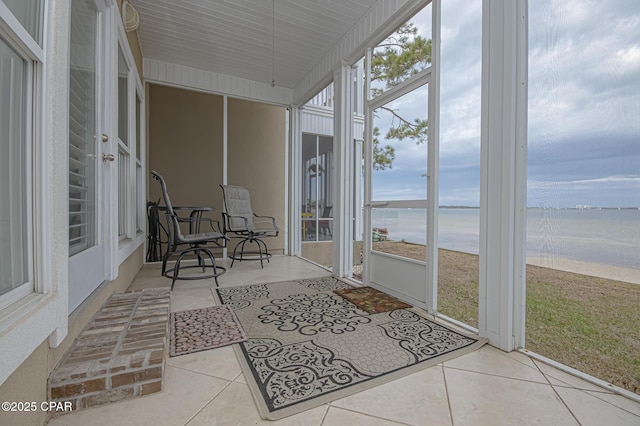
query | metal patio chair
[239, 220]
[195, 242]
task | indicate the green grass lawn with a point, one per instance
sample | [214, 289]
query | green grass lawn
[587, 323]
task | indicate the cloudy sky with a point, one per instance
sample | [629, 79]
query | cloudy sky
[584, 107]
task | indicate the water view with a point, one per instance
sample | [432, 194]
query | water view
[599, 236]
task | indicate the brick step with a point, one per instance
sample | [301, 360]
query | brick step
[119, 355]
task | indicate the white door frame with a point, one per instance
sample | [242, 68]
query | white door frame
[382, 268]
[89, 268]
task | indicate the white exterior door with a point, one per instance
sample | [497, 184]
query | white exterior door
[89, 148]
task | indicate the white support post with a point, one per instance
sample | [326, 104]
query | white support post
[343, 171]
[295, 182]
[433, 166]
[357, 193]
[368, 161]
[503, 172]
[286, 226]
[225, 154]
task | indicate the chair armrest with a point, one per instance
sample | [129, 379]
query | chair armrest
[270, 220]
[266, 217]
[185, 219]
[227, 224]
[214, 224]
[196, 221]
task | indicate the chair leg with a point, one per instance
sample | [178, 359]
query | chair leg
[266, 251]
[215, 268]
[233, 256]
[165, 258]
[164, 263]
[255, 240]
[200, 252]
[244, 242]
[262, 255]
[263, 251]
[213, 262]
[176, 269]
[201, 261]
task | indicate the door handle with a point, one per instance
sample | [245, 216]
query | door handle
[108, 157]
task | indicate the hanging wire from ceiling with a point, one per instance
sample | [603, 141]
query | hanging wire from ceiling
[273, 43]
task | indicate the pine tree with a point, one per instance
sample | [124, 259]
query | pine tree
[402, 55]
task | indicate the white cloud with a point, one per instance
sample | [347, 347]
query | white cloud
[628, 59]
[584, 104]
[583, 182]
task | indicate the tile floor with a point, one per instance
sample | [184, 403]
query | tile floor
[486, 387]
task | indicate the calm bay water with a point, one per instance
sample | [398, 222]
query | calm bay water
[606, 236]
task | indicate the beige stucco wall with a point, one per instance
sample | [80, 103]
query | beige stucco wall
[29, 381]
[185, 146]
[256, 159]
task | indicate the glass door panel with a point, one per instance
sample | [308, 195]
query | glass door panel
[88, 249]
[399, 173]
[317, 188]
[82, 127]
[400, 231]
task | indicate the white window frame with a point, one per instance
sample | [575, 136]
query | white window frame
[31, 68]
[132, 238]
[41, 312]
[139, 162]
[18, 39]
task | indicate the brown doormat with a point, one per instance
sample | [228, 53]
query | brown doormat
[202, 329]
[371, 300]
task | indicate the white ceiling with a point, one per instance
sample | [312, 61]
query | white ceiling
[234, 37]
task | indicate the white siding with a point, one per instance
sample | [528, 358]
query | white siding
[182, 76]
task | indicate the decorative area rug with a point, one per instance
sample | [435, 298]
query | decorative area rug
[202, 329]
[308, 346]
[371, 300]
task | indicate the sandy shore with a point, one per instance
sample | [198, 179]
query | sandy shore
[600, 270]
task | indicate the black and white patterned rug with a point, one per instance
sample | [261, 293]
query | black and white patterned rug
[308, 346]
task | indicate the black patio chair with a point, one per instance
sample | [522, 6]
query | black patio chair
[195, 242]
[155, 238]
[239, 220]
